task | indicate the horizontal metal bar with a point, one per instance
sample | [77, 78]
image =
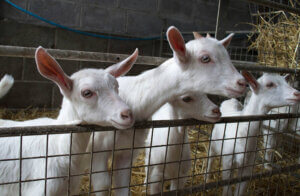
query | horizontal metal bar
[211, 185]
[252, 66]
[276, 5]
[291, 134]
[213, 32]
[59, 129]
[28, 52]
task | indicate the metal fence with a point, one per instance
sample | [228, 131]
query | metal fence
[279, 175]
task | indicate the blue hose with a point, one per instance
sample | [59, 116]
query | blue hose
[74, 30]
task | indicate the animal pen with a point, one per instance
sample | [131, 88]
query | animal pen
[274, 48]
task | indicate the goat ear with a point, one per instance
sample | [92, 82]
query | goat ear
[208, 35]
[251, 80]
[197, 35]
[50, 69]
[288, 77]
[177, 44]
[226, 41]
[121, 68]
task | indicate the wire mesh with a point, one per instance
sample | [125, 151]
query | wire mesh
[199, 140]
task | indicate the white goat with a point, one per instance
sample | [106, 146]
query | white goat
[90, 97]
[5, 84]
[202, 64]
[280, 125]
[268, 92]
[196, 106]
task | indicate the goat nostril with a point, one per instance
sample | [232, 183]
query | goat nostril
[241, 82]
[126, 114]
[216, 111]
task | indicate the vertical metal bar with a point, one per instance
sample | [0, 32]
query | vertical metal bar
[221, 154]
[131, 160]
[266, 148]
[46, 162]
[245, 154]
[70, 161]
[208, 154]
[195, 160]
[112, 162]
[222, 15]
[277, 134]
[241, 53]
[266, 144]
[20, 165]
[149, 160]
[180, 160]
[91, 164]
[256, 149]
[233, 153]
[164, 167]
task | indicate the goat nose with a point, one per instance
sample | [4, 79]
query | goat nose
[126, 114]
[297, 94]
[242, 82]
[216, 111]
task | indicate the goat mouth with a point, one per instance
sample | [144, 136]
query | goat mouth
[122, 125]
[235, 92]
[212, 118]
[293, 101]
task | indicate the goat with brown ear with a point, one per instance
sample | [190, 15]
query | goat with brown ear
[90, 97]
[199, 66]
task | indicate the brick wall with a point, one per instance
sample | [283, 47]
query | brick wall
[142, 18]
[137, 18]
[30, 88]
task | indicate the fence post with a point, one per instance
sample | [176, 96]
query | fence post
[222, 19]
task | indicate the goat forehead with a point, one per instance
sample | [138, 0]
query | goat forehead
[275, 78]
[96, 73]
[211, 46]
[93, 78]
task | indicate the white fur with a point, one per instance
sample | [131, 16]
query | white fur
[200, 108]
[281, 125]
[263, 99]
[147, 92]
[103, 108]
[5, 84]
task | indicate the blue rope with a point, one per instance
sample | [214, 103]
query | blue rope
[74, 30]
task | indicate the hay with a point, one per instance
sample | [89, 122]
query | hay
[276, 38]
[27, 114]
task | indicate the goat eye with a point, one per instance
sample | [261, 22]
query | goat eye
[187, 99]
[205, 59]
[87, 93]
[270, 85]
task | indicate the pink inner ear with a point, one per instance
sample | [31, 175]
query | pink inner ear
[49, 68]
[176, 41]
[197, 35]
[124, 66]
[180, 48]
[250, 79]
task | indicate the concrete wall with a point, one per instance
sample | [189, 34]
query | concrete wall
[137, 18]
[141, 18]
[30, 88]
